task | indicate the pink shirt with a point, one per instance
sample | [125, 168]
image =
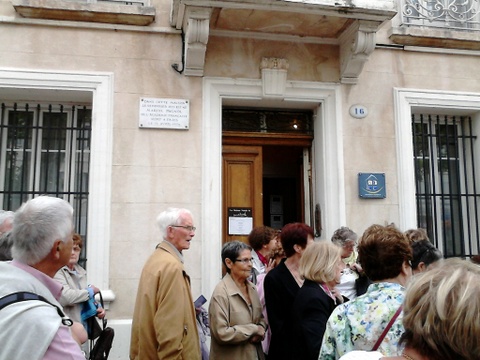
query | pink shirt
[62, 347]
[261, 295]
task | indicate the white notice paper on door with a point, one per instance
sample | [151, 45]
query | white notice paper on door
[240, 225]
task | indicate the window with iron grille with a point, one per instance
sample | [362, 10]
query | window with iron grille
[447, 192]
[45, 150]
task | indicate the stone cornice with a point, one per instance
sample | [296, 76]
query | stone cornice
[356, 42]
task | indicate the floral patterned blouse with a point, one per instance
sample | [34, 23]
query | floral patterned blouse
[357, 324]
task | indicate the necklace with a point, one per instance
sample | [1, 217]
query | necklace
[407, 357]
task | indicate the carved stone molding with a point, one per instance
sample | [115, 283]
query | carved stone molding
[274, 77]
[196, 26]
[356, 45]
[351, 25]
[274, 63]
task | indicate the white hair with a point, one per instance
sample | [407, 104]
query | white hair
[171, 216]
[37, 225]
[4, 216]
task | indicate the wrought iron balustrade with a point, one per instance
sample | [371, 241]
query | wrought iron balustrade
[446, 14]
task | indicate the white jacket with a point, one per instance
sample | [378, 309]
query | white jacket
[22, 336]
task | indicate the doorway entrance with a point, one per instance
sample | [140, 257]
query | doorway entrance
[266, 166]
[324, 100]
[282, 185]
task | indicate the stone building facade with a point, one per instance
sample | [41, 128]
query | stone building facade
[362, 73]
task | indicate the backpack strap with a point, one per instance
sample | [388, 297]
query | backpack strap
[25, 296]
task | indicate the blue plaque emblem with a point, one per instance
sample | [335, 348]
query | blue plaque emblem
[371, 185]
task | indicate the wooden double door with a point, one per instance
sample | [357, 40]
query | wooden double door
[266, 181]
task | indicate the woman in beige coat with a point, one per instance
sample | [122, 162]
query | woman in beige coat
[74, 280]
[237, 325]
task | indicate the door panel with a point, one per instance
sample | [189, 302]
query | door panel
[242, 185]
[307, 181]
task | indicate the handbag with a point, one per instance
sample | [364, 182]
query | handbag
[89, 309]
[100, 348]
[389, 325]
[89, 318]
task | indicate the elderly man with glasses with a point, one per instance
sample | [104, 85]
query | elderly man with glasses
[164, 323]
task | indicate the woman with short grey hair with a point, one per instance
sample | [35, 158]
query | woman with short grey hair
[344, 236]
[353, 282]
[237, 325]
[231, 250]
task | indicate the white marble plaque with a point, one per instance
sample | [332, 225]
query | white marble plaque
[164, 113]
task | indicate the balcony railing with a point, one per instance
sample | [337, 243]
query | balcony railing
[446, 14]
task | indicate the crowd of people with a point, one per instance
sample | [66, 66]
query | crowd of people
[384, 295]
[389, 295]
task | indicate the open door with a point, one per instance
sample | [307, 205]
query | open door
[307, 185]
[242, 191]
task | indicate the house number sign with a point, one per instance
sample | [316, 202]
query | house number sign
[358, 111]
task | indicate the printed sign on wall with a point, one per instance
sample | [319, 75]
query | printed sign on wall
[164, 113]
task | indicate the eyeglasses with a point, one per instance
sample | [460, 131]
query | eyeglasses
[245, 261]
[189, 228]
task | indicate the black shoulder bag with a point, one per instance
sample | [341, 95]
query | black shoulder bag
[25, 296]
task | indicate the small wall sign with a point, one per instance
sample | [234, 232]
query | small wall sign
[358, 111]
[240, 221]
[371, 185]
[164, 113]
